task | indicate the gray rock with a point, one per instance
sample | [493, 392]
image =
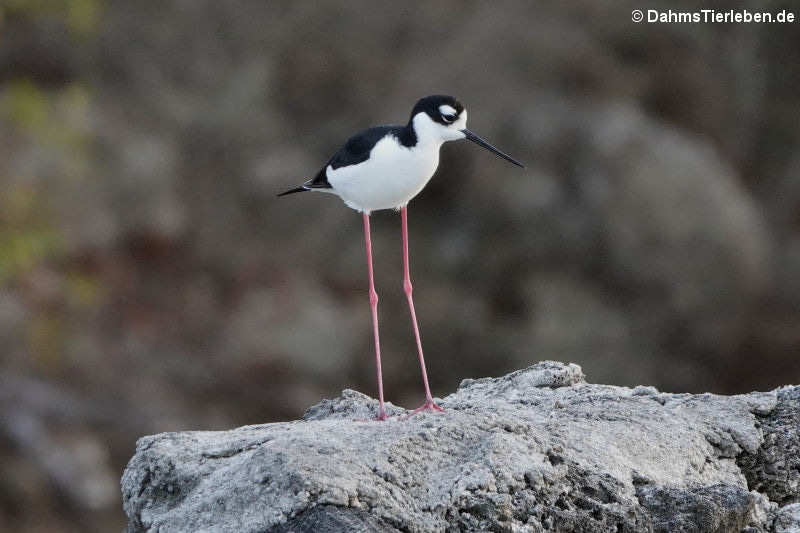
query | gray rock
[536, 450]
[774, 469]
[787, 519]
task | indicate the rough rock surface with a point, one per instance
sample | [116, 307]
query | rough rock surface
[535, 450]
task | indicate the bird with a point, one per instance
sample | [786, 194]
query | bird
[385, 167]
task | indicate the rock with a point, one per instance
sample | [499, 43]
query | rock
[774, 469]
[538, 449]
[788, 519]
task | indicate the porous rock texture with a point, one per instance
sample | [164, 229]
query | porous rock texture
[536, 450]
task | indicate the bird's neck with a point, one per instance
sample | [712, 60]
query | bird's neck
[423, 128]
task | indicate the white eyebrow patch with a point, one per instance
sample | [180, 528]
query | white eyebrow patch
[447, 110]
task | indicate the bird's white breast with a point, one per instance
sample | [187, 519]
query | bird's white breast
[392, 175]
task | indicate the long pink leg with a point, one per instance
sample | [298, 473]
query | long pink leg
[407, 287]
[373, 303]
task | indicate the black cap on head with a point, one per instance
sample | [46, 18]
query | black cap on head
[431, 104]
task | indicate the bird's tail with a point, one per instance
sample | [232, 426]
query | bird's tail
[302, 188]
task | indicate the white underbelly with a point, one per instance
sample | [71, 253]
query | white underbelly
[391, 177]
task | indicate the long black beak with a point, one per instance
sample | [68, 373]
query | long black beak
[480, 142]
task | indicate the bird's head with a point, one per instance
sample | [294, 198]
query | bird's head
[440, 118]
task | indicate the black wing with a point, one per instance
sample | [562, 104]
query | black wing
[356, 150]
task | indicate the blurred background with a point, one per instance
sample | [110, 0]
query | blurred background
[151, 281]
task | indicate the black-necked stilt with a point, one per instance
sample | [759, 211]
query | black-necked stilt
[384, 168]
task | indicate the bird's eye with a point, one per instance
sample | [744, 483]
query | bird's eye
[448, 118]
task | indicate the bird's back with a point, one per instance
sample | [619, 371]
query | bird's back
[356, 150]
[358, 147]
[381, 168]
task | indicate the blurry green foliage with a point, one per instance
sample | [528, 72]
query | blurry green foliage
[83, 291]
[21, 250]
[25, 105]
[81, 17]
[46, 339]
[26, 238]
[57, 119]
[57, 122]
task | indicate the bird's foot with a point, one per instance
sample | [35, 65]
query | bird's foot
[429, 405]
[380, 417]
